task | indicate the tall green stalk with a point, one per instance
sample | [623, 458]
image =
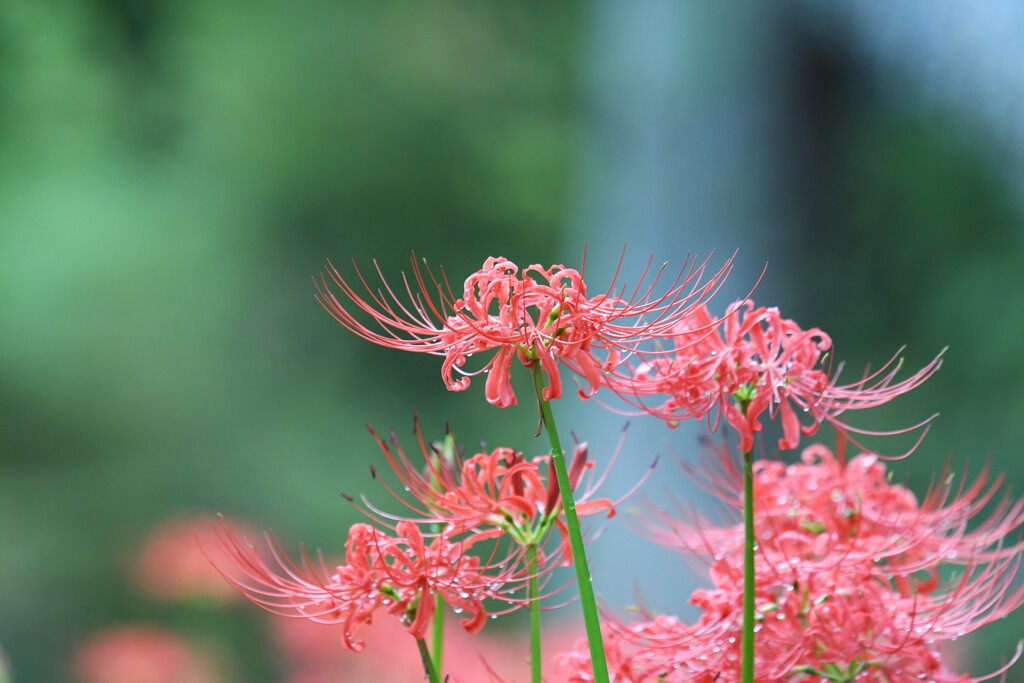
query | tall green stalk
[437, 640]
[428, 663]
[447, 456]
[588, 603]
[533, 595]
[747, 661]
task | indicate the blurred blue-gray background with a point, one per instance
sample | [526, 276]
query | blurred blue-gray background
[173, 173]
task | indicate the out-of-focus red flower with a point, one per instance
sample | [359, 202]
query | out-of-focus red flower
[171, 564]
[139, 654]
[752, 363]
[305, 643]
[500, 490]
[837, 625]
[314, 656]
[312, 652]
[399, 575]
[318, 676]
[849, 636]
[823, 511]
[850, 580]
[622, 656]
[505, 656]
[538, 315]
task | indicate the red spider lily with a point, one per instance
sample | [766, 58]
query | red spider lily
[840, 625]
[398, 574]
[501, 490]
[538, 315]
[848, 577]
[754, 362]
[824, 511]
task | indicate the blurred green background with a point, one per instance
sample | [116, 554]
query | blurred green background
[173, 173]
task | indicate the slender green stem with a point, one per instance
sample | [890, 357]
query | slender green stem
[591, 620]
[437, 639]
[428, 663]
[533, 594]
[747, 662]
[437, 642]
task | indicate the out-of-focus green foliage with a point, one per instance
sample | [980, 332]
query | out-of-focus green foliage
[173, 173]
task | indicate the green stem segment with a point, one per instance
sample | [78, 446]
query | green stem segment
[438, 632]
[428, 662]
[533, 594]
[587, 601]
[747, 661]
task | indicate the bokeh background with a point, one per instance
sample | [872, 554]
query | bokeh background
[173, 173]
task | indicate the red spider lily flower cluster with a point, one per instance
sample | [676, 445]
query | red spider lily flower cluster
[824, 510]
[855, 578]
[856, 633]
[754, 362]
[537, 314]
[501, 490]
[467, 506]
[399, 575]
[848, 581]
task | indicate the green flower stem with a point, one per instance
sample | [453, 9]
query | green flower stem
[587, 602]
[437, 634]
[428, 662]
[533, 594]
[747, 661]
[437, 641]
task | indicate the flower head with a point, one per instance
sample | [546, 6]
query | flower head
[824, 511]
[500, 490]
[840, 624]
[853, 577]
[752, 363]
[398, 574]
[536, 315]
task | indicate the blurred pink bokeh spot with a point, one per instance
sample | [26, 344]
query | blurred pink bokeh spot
[140, 654]
[176, 560]
[314, 653]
